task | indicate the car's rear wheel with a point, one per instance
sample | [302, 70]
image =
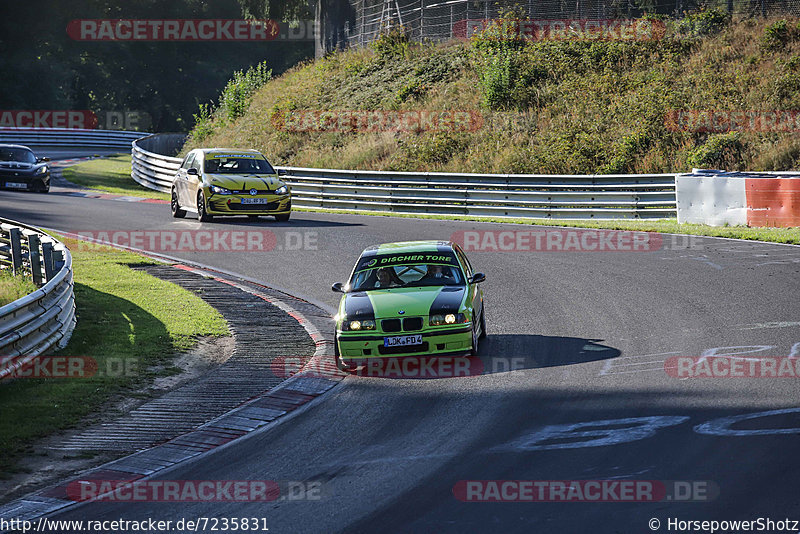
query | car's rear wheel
[283, 217]
[177, 212]
[202, 214]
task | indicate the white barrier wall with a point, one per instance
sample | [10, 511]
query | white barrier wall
[715, 198]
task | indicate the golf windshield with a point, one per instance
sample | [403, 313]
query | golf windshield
[413, 275]
[238, 164]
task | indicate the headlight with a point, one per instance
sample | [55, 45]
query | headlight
[366, 324]
[41, 170]
[220, 190]
[450, 318]
[282, 190]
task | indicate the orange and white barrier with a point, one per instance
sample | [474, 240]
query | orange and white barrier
[717, 198]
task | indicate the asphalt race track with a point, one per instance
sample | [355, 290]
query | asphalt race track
[587, 334]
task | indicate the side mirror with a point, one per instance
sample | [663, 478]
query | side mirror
[337, 287]
[192, 172]
[282, 172]
[477, 278]
[43, 159]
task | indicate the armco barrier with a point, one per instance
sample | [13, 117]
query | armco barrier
[151, 163]
[44, 319]
[70, 138]
[738, 198]
[601, 196]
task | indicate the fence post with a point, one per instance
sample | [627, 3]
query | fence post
[47, 255]
[16, 251]
[36, 259]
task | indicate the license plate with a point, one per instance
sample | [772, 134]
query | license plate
[255, 201]
[16, 185]
[397, 341]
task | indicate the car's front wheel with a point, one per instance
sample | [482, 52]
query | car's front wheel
[340, 364]
[202, 214]
[42, 188]
[283, 217]
[474, 350]
[483, 321]
[177, 212]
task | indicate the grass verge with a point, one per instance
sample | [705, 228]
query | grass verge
[14, 287]
[112, 175]
[126, 318]
[670, 226]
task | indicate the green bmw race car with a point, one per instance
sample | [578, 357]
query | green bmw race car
[225, 181]
[416, 298]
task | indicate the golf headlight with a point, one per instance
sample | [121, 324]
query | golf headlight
[41, 170]
[366, 324]
[282, 190]
[450, 318]
[220, 190]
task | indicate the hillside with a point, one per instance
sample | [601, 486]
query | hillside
[549, 106]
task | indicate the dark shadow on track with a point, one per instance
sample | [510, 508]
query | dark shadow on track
[500, 353]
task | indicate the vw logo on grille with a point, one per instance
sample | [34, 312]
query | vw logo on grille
[254, 191]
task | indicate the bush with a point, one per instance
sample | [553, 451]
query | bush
[720, 151]
[705, 22]
[235, 98]
[394, 41]
[778, 34]
[203, 123]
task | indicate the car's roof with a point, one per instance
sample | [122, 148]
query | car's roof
[6, 145]
[402, 247]
[228, 151]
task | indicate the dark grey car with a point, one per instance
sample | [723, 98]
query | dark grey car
[21, 170]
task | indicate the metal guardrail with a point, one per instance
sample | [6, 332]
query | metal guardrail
[150, 166]
[70, 138]
[600, 196]
[44, 319]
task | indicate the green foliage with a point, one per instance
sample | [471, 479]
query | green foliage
[625, 153]
[704, 22]
[235, 98]
[203, 123]
[437, 148]
[720, 151]
[779, 34]
[413, 89]
[394, 41]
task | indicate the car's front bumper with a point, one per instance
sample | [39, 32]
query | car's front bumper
[232, 205]
[456, 341]
[24, 182]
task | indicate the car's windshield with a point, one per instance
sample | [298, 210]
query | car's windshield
[17, 154]
[238, 164]
[411, 275]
